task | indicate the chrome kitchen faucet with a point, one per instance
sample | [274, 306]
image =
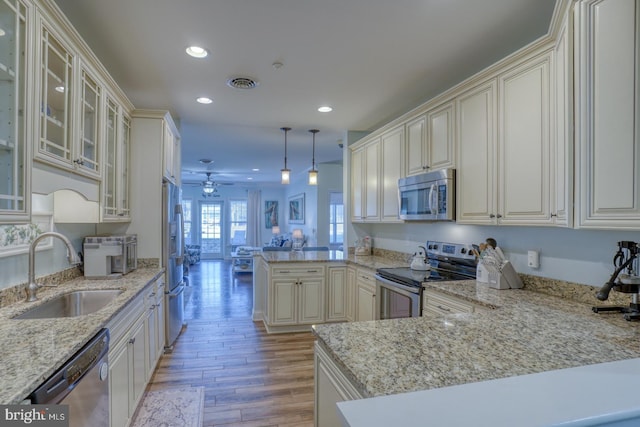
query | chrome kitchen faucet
[32, 286]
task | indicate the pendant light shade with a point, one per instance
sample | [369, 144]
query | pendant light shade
[313, 173]
[285, 173]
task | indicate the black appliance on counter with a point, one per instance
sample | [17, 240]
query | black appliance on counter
[399, 289]
[625, 279]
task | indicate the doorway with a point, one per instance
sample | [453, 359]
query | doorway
[211, 230]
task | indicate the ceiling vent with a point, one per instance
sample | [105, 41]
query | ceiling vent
[242, 83]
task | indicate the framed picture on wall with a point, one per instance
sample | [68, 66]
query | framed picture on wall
[270, 213]
[296, 209]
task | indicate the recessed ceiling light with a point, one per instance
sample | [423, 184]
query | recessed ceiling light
[197, 51]
[60, 89]
[325, 109]
[249, 178]
[204, 100]
[255, 170]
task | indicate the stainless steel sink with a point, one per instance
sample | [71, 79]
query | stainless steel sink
[72, 304]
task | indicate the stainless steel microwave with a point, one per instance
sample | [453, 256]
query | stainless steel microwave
[428, 197]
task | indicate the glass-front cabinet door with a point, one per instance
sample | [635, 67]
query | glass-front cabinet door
[56, 65]
[124, 210]
[14, 151]
[88, 145]
[109, 180]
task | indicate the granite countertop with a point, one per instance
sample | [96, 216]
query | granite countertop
[515, 332]
[372, 262]
[32, 349]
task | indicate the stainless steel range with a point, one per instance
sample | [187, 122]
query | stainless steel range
[399, 289]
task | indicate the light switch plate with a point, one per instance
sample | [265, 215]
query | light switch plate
[533, 259]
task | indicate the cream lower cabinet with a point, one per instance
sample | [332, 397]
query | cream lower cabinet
[296, 295]
[438, 303]
[127, 363]
[134, 337]
[331, 387]
[351, 293]
[607, 133]
[154, 304]
[365, 295]
[337, 294]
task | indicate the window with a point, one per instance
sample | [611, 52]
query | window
[186, 214]
[238, 222]
[336, 219]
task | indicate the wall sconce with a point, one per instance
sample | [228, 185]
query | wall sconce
[285, 173]
[313, 173]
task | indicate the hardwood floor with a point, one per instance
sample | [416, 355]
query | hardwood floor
[251, 378]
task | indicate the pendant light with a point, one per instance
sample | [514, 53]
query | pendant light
[313, 173]
[285, 173]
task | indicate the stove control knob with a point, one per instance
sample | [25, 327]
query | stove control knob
[435, 247]
[430, 247]
[463, 251]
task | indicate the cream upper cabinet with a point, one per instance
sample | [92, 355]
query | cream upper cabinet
[430, 140]
[171, 157]
[607, 130]
[392, 164]
[376, 166]
[504, 152]
[15, 129]
[56, 87]
[416, 146]
[365, 173]
[476, 173]
[115, 183]
[562, 130]
[89, 121]
[523, 143]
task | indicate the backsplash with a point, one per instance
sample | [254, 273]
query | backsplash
[16, 293]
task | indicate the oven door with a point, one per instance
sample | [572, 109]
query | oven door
[395, 300]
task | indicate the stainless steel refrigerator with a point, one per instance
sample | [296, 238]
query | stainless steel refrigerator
[172, 257]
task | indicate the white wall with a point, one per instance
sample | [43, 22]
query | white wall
[329, 180]
[580, 256]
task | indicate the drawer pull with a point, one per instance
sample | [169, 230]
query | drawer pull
[132, 341]
[312, 271]
[443, 308]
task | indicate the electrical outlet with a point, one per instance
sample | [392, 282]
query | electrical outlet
[533, 259]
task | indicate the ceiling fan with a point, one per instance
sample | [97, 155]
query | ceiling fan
[209, 187]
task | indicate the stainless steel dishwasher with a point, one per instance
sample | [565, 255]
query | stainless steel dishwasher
[82, 384]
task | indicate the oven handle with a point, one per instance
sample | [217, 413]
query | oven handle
[397, 287]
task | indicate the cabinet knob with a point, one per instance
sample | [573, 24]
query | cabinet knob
[492, 216]
[499, 216]
[132, 341]
[553, 215]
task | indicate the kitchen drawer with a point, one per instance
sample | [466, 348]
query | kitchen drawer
[439, 303]
[286, 271]
[122, 321]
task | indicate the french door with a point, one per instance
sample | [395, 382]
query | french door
[211, 230]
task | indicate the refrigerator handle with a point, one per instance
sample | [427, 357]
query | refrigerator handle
[179, 235]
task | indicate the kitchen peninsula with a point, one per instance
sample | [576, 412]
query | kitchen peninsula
[513, 333]
[296, 289]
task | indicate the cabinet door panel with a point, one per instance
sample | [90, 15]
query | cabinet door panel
[524, 144]
[440, 140]
[476, 174]
[392, 165]
[311, 300]
[119, 386]
[416, 146]
[357, 158]
[284, 302]
[608, 104]
[372, 182]
[337, 299]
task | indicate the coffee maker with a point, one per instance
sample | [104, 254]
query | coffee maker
[625, 279]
